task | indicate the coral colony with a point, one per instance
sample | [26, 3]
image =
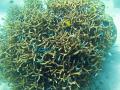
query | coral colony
[60, 47]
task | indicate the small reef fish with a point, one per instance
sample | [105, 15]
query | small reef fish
[39, 50]
[11, 1]
[67, 23]
[105, 23]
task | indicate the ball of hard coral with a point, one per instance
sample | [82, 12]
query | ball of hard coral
[59, 47]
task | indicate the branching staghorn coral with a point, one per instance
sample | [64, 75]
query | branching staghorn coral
[56, 48]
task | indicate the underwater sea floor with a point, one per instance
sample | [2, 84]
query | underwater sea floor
[109, 77]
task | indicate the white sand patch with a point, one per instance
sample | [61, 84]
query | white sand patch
[4, 86]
